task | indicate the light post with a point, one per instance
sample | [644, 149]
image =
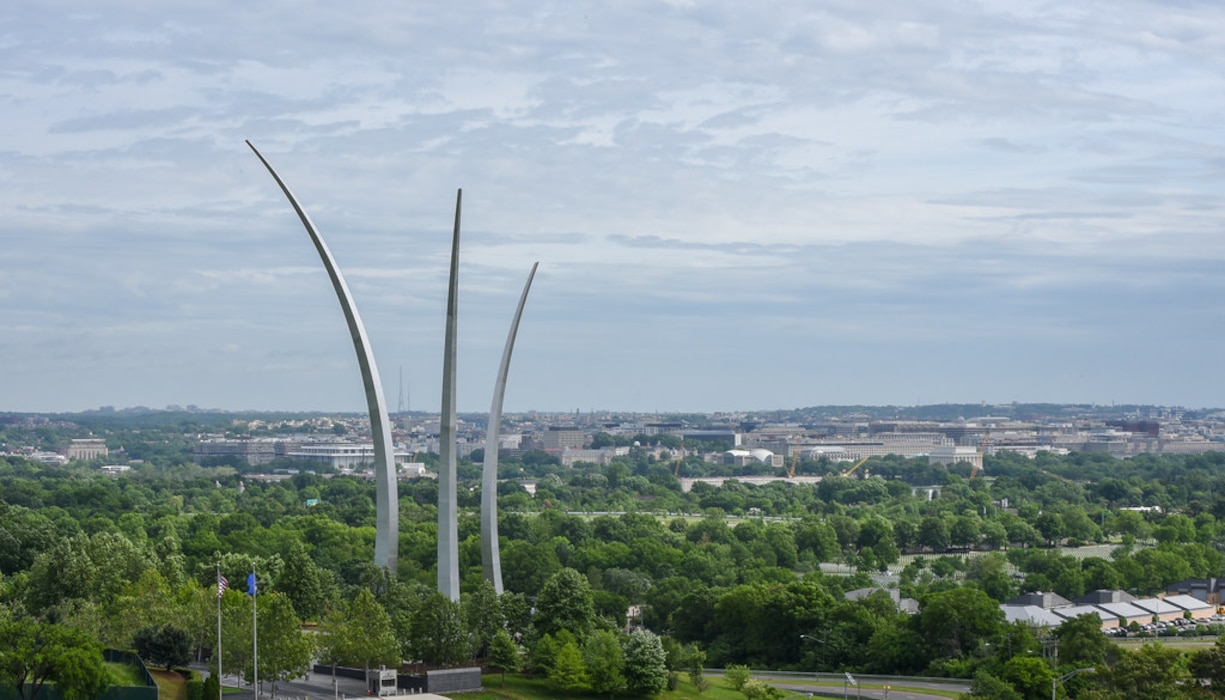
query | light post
[1056, 681]
[820, 641]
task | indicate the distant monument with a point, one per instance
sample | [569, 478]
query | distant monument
[491, 560]
[387, 530]
[448, 516]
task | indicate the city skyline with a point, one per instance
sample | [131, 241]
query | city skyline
[734, 208]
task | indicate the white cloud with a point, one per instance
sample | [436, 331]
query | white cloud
[842, 202]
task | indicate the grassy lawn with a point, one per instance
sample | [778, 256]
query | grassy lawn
[1176, 642]
[123, 674]
[893, 687]
[522, 688]
[171, 685]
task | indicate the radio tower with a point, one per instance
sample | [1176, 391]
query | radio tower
[400, 408]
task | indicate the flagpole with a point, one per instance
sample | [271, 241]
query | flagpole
[220, 590]
[254, 632]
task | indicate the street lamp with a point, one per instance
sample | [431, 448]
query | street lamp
[1069, 674]
[820, 641]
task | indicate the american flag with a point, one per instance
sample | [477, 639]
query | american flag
[222, 584]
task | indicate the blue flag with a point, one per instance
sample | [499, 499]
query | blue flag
[251, 583]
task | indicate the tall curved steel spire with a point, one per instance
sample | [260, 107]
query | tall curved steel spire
[491, 559]
[386, 536]
[448, 526]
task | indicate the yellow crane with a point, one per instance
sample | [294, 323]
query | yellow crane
[854, 467]
[795, 460]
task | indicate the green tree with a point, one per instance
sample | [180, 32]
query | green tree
[304, 582]
[34, 653]
[80, 673]
[695, 662]
[989, 687]
[504, 654]
[163, 645]
[438, 631]
[1152, 672]
[1081, 642]
[646, 672]
[565, 603]
[933, 534]
[482, 615]
[604, 661]
[965, 531]
[1051, 527]
[359, 634]
[567, 671]
[1028, 675]
[990, 572]
[284, 650]
[1209, 665]
[236, 652]
[146, 602]
[954, 624]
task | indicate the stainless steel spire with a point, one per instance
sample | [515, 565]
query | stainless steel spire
[448, 525]
[491, 560]
[386, 535]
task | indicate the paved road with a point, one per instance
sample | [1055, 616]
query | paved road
[791, 682]
[854, 693]
[316, 686]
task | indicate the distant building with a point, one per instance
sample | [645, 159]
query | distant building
[955, 454]
[341, 456]
[729, 437]
[1205, 589]
[905, 605]
[250, 451]
[744, 458]
[562, 438]
[601, 457]
[48, 458]
[87, 448]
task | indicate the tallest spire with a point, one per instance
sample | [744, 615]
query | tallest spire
[448, 528]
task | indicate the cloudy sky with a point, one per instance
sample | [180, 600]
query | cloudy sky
[734, 205]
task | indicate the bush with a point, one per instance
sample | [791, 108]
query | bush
[212, 687]
[195, 690]
[755, 689]
[737, 675]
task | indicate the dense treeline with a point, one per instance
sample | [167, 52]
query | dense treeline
[112, 557]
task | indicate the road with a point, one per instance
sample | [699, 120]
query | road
[316, 686]
[852, 692]
[914, 686]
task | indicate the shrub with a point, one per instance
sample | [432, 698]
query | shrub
[737, 675]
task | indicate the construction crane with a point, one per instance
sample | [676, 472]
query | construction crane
[795, 460]
[982, 454]
[851, 471]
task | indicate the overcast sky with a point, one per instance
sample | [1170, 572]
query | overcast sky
[735, 205]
